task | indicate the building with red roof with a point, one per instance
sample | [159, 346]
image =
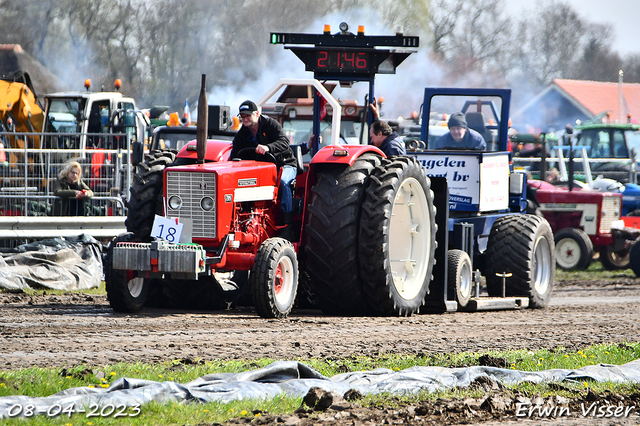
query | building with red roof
[566, 101]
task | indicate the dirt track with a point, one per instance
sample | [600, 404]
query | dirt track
[50, 330]
[54, 330]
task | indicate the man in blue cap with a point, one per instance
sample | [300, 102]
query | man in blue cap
[460, 136]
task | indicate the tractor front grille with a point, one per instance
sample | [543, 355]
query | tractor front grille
[610, 211]
[192, 188]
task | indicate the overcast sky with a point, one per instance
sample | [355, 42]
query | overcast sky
[623, 15]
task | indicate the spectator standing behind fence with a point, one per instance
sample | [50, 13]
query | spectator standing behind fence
[73, 192]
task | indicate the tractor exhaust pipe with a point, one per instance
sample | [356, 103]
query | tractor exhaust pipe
[203, 121]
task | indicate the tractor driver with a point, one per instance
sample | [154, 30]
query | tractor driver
[460, 136]
[265, 135]
[382, 135]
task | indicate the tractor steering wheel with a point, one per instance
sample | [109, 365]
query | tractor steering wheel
[268, 155]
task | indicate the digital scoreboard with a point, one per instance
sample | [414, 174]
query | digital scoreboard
[348, 55]
[342, 61]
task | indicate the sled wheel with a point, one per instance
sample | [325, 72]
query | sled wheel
[459, 277]
[126, 292]
[521, 245]
[274, 278]
[574, 249]
[613, 261]
[397, 237]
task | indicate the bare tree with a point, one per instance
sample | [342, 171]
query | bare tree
[554, 44]
[443, 20]
[470, 34]
[631, 67]
[159, 48]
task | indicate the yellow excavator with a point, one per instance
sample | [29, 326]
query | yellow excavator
[20, 111]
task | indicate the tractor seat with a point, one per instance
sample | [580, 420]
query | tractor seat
[475, 121]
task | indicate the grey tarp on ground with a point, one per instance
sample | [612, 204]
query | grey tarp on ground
[295, 379]
[57, 263]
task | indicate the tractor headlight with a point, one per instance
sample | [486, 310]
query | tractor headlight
[175, 202]
[207, 204]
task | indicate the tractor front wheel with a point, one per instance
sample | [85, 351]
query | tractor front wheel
[274, 278]
[614, 261]
[126, 293]
[574, 249]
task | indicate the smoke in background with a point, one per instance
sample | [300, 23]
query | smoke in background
[402, 91]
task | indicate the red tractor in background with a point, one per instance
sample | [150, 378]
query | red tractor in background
[585, 220]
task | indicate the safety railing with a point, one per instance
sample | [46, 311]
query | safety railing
[34, 160]
[36, 217]
[30, 164]
[532, 164]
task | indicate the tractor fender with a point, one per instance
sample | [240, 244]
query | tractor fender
[326, 157]
[326, 154]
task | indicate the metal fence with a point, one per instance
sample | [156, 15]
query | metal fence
[621, 169]
[30, 164]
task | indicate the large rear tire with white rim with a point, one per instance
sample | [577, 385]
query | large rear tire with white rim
[145, 199]
[331, 235]
[397, 237]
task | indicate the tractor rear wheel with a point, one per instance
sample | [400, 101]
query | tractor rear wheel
[126, 293]
[614, 261]
[521, 245]
[574, 249]
[331, 236]
[274, 278]
[397, 237]
[634, 259]
[459, 277]
[146, 193]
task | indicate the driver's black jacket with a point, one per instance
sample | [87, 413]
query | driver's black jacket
[270, 133]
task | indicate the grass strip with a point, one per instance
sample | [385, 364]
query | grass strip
[39, 382]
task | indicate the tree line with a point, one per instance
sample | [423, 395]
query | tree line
[160, 48]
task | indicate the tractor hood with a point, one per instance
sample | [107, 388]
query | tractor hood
[234, 174]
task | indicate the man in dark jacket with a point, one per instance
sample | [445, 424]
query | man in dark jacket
[265, 135]
[383, 136]
[460, 136]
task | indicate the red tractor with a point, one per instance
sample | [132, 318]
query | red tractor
[229, 213]
[584, 222]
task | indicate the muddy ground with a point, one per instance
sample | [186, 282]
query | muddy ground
[54, 330]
